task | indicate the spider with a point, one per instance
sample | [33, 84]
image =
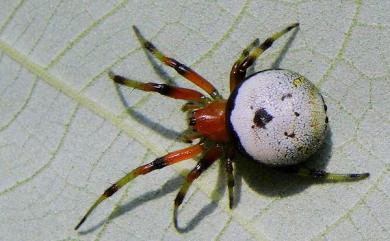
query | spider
[276, 117]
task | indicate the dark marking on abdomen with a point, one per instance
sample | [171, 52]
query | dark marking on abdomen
[262, 117]
[292, 135]
[289, 95]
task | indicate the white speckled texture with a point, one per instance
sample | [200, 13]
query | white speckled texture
[279, 117]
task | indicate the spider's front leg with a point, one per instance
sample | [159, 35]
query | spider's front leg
[209, 158]
[169, 159]
[163, 89]
[250, 54]
[180, 68]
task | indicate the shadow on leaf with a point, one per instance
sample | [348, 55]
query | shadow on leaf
[170, 186]
[277, 181]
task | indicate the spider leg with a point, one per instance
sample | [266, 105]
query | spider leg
[236, 75]
[189, 135]
[163, 89]
[210, 157]
[247, 50]
[169, 159]
[250, 54]
[180, 68]
[326, 176]
[190, 106]
[230, 180]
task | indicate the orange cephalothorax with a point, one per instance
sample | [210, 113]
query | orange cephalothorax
[210, 121]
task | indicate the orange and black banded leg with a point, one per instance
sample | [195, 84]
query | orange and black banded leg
[180, 68]
[326, 176]
[235, 75]
[250, 54]
[163, 89]
[169, 159]
[230, 180]
[209, 158]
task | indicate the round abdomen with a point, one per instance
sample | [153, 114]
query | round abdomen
[277, 117]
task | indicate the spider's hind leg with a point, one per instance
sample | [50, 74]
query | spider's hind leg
[326, 176]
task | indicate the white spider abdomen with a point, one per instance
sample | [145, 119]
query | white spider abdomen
[277, 117]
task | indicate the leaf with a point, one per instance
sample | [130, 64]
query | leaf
[66, 132]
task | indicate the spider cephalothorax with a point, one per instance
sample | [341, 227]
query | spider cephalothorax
[276, 117]
[210, 121]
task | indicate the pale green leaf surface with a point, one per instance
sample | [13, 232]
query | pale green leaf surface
[65, 134]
